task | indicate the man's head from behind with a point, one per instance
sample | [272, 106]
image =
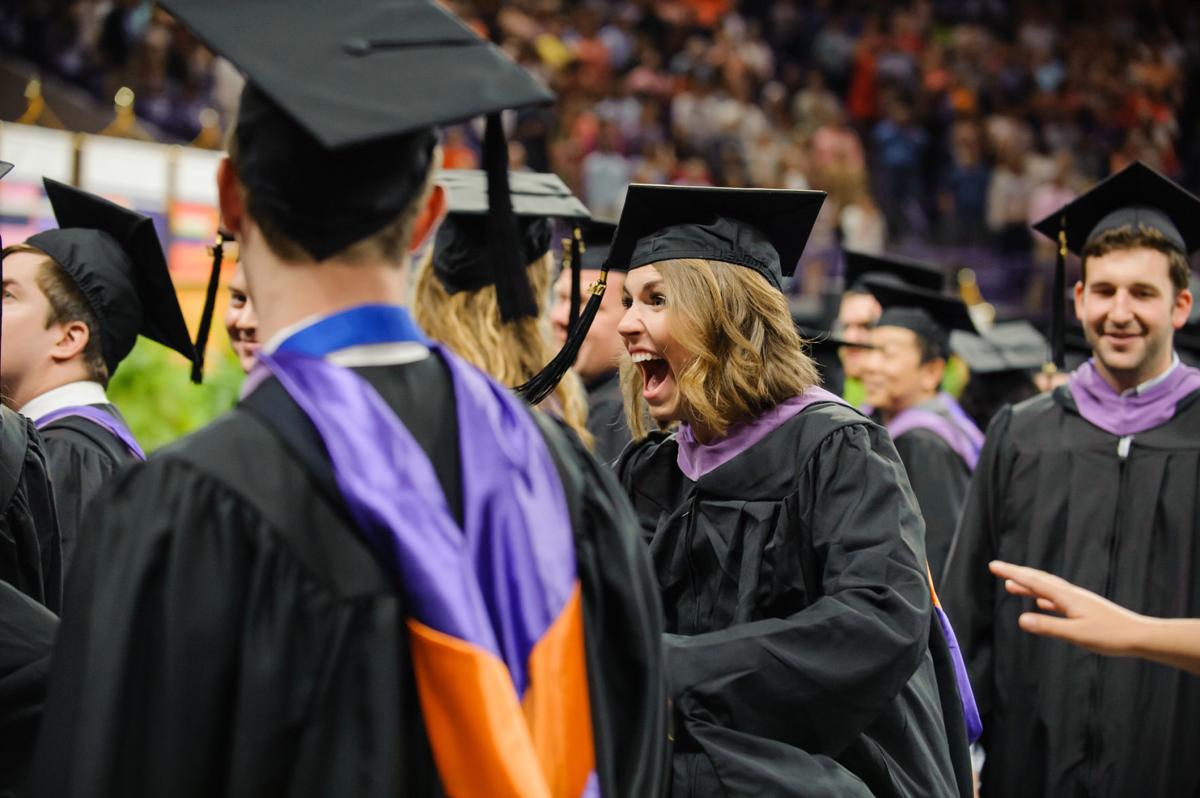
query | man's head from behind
[51, 335]
[1132, 297]
[602, 348]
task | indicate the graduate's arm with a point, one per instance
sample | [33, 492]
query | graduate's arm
[966, 589]
[1097, 624]
[816, 679]
[27, 632]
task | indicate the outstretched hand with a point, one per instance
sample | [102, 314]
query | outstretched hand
[1081, 617]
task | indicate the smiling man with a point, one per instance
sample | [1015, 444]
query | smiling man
[1095, 481]
[902, 375]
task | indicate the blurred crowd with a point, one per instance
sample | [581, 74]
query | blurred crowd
[949, 123]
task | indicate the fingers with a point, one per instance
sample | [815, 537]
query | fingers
[1047, 605]
[1045, 625]
[1031, 582]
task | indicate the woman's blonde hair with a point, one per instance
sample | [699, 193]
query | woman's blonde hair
[745, 354]
[511, 352]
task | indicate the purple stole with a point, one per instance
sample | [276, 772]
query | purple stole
[952, 425]
[101, 419]
[1124, 415]
[495, 615]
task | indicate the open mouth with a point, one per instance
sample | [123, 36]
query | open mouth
[655, 372]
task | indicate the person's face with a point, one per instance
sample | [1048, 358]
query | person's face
[26, 343]
[1129, 311]
[602, 347]
[241, 322]
[646, 330]
[856, 316]
[894, 378]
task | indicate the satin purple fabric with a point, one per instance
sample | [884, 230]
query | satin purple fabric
[1121, 414]
[101, 419]
[501, 580]
[952, 425]
[696, 459]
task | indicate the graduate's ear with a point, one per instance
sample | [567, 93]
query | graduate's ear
[1079, 300]
[429, 219]
[1182, 309]
[932, 372]
[71, 342]
[229, 194]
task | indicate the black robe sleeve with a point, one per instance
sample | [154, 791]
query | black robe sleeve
[26, 637]
[968, 589]
[30, 543]
[940, 479]
[846, 656]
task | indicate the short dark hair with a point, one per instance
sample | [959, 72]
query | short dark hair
[67, 304]
[389, 243]
[1126, 237]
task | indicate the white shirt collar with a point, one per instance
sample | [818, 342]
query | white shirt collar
[73, 394]
[1137, 390]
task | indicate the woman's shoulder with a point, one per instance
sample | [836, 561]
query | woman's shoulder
[658, 446]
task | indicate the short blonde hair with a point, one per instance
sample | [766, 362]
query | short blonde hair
[511, 352]
[746, 356]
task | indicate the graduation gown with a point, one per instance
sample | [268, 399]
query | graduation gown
[30, 542]
[82, 457]
[606, 417]
[798, 616]
[241, 639]
[26, 637]
[939, 452]
[1054, 492]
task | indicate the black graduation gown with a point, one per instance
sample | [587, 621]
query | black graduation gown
[606, 418]
[30, 543]
[1052, 491]
[799, 617]
[82, 457]
[228, 632]
[940, 479]
[26, 637]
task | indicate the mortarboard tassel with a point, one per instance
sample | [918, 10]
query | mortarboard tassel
[546, 380]
[1058, 328]
[575, 247]
[513, 292]
[210, 303]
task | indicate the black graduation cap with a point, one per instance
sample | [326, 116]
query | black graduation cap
[761, 229]
[884, 267]
[114, 256]
[462, 257]
[597, 241]
[335, 132]
[1007, 346]
[1137, 196]
[930, 314]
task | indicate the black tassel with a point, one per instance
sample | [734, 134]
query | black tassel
[576, 263]
[513, 292]
[210, 303]
[1058, 319]
[545, 381]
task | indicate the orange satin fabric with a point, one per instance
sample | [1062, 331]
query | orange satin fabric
[487, 742]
